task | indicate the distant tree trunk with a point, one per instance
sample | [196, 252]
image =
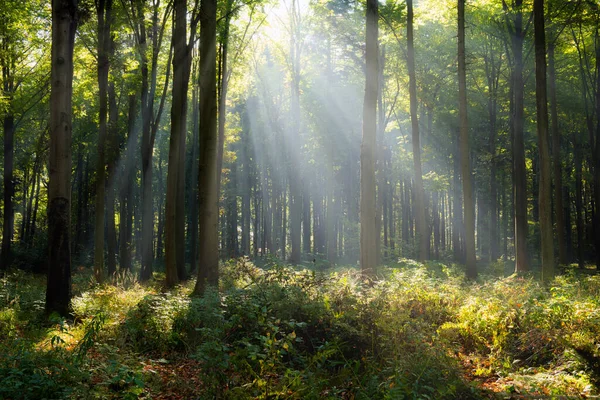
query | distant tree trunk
[294, 179]
[465, 153]
[519, 171]
[493, 75]
[8, 221]
[436, 224]
[368, 212]
[104, 8]
[457, 214]
[149, 121]
[558, 188]
[578, 199]
[543, 143]
[113, 148]
[58, 288]
[419, 204]
[208, 236]
[306, 218]
[126, 190]
[246, 188]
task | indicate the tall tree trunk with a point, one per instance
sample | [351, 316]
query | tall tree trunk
[595, 147]
[7, 65]
[175, 199]
[545, 197]
[419, 203]
[113, 149]
[58, 288]
[465, 153]
[493, 75]
[368, 212]
[126, 190]
[457, 213]
[519, 171]
[193, 186]
[578, 199]
[294, 179]
[8, 221]
[306, 218]
[558, 187]
[208, 210]
[104, 22]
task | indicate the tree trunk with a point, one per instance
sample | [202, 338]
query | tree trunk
[419, 203]
[558, 188]
[126, 190]
[208, 210]
[519, 171]
[175, 204]
[58, 289]
[113, 149]
[545, 183]
[368, 212]
[578, 199]
[8, 221]
[104, 22]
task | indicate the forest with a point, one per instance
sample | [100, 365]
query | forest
[300, 199]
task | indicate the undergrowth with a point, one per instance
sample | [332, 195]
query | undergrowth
[280, 332]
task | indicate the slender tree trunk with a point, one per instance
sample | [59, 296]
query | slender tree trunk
[126, 190]
[595, 147]
[104, 22]
[113, 149]
[558, 188]
[8, 221]
[175, 204]
[208, 236]
[543, 143]
[465, 154]
[58, 288]
[368, 212]
[578, 199]
[419, 203]
[306, 218]
[519, 171]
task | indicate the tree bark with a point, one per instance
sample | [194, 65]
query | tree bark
[126, 190]
[465, 153]
[58, 289]
[558, 187]
[545, 184]
[175, 204]
[368, 212]
[419, 203]
[208, 236]
[519, 172]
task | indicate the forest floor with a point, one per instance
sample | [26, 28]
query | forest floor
[283, 332]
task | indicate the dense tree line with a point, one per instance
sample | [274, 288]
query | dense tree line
[198, 130]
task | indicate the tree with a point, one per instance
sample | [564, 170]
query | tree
[58, 289]
[545, 185]
[421, 224]
[175, 204]
[465, 154]
[368, 212]
[517, 34]
[104, 11]
[208, 210]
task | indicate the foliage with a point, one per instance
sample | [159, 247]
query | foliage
[282, 332]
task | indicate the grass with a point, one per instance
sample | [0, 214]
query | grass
[420, 331]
